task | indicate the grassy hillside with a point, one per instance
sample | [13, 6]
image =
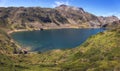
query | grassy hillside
[100, 52]
[7, 48]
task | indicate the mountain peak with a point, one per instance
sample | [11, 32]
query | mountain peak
[69, 8]
[63, 5]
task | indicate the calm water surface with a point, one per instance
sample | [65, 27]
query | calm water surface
[53, 39]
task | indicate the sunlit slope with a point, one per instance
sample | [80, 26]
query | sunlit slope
[7, 48]
[100, 52]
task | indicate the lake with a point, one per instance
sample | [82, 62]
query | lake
[53, 39]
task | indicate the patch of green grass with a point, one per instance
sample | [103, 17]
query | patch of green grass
[100, 52]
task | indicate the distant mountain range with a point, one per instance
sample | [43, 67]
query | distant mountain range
[62, 16]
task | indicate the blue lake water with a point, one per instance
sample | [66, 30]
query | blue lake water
[53, 39]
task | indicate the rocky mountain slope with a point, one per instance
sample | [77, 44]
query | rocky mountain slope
[62, 16]
[107, 20]
[78, 16]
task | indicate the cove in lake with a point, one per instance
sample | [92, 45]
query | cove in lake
[53, 39]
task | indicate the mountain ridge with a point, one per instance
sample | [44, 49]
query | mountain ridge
[62, 16]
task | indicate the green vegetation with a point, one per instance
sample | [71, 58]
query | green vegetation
[6, 50]
[100, 52]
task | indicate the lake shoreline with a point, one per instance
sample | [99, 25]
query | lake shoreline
[60, 37]
[41, 29]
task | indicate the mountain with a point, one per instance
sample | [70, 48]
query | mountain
[78, 16]
[32, 17]
[107, 20]
[62, 16]
[113, 25]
